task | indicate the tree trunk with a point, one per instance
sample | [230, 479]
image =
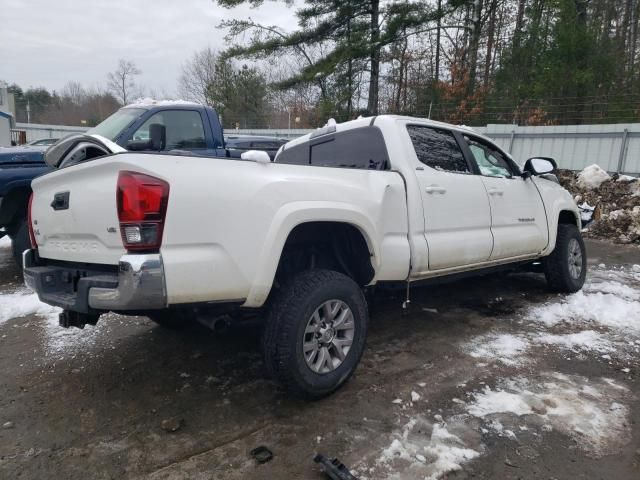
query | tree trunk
[633, 43]
[474, 43]
[517, 34]
[490, 40]
[437, 76]
[350, 73]
[374, 79]
[402, 77]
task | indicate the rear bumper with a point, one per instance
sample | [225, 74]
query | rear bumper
[136, 284]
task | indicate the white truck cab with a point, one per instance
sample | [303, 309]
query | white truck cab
[377, 200]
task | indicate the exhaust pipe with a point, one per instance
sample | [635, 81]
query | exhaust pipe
[218, 324]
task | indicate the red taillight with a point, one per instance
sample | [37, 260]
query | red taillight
[142, 206]
[32, 235]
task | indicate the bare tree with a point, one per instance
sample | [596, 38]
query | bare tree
[198, 74]
[73, 91]
[121, 82]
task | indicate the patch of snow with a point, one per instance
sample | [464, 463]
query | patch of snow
[499, 401]
[415, 396]
[56, 340]
[586, 212]
[614, 287]
[587, 340]
[59, 340]
[592, 177]
[589, 411]
[5, 242]
[148, 102]
[505, 348]
[416, 454]
[626, 178]
[607, 303]
[23, 304]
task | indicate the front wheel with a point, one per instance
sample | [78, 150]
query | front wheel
[566, 267]
[315, 333]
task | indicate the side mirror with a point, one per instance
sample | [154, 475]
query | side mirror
[540, 166]
[158, 136]
[257, 156]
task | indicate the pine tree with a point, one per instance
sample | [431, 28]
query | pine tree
[352, 32]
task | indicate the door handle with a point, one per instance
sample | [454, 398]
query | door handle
[435, 189]
[495, 191]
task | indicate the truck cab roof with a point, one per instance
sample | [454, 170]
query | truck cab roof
[333, 127]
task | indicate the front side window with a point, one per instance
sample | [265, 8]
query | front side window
[491, 161]
[184, 129]
[437, 149]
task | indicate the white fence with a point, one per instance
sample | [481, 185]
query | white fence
[616, 148]
[38, 131]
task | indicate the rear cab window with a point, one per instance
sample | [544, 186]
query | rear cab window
[438, 149]
[361, 148]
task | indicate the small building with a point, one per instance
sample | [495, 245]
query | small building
[7, 115]
[7, 100]
[6, 122]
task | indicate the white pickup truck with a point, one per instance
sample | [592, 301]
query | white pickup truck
[374, 201]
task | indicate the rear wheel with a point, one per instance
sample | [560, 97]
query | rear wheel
[315, 333]
[566, 267]
[20, 241]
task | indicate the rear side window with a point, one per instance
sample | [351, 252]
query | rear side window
[362, 148]
[437, 149]
[296, 155]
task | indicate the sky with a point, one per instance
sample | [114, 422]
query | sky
[47, 43]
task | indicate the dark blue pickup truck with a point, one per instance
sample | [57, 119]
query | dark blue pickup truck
[155, 126]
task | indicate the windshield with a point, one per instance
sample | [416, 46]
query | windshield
[117, 122]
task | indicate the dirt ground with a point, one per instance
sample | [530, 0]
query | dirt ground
[491, 377]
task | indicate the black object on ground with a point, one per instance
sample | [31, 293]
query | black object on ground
[262, 454]
[333, 468]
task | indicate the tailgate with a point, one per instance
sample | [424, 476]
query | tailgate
[81, 225]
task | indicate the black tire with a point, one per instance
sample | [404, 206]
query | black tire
[557, 268]
[290, 311]
[20, 242]
[173, 319]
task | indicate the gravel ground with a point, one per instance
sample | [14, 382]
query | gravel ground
[491, 377]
